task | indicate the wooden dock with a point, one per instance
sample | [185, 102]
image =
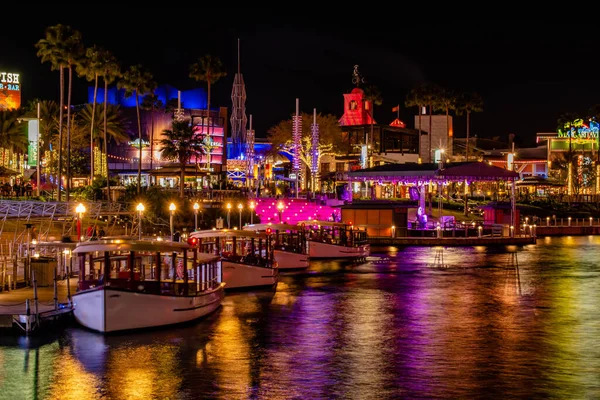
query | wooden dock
[453, 241]
[20, 310]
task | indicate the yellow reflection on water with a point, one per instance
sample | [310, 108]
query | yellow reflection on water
[143, 372]
[71, 381]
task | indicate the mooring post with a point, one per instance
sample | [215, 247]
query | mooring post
[28, 314]
[55, 290]
[35, 296]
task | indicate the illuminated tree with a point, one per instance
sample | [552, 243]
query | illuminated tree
[330, 138]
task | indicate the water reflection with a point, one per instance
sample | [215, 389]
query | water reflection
[490, 323]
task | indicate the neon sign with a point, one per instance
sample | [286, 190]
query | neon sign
[579, 131]
[136, 143]
[10, 91]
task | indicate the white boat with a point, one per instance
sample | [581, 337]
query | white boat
[327, 239]
[246, 257]
[290, 248]
[126, 283]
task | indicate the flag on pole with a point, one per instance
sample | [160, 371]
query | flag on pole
[397, 108]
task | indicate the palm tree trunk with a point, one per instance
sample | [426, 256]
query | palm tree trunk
[60, 131]
[92, 130]
[448, 137]
[105, 144]
[468, 123]
[139, 123]
[69, 133]
[430, 133]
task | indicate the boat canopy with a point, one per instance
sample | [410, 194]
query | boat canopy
[323, 223]
[219, 233]
[130, 244]
[274, 227]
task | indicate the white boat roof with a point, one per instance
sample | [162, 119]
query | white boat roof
[274, 227]
[209, 233]
[130, 244]
[322, 223]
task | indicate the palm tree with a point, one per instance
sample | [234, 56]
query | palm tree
[469, 103]
[116, 124]
[446, 102]
[73, 50]
[51, 49]
[110, 72]
[180, 144]
[151, 103]
[373, 97]
[91, 67]
[208, 69]
[136, 80]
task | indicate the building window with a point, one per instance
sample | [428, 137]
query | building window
[324, 167]
[352, 105]
[339, 167]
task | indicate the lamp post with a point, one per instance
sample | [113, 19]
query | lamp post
[240, 207]
[280, 208]
[140, 209]
[228, 215]
[80, 209]
[196, 208]
[171, 211]
[252, 206]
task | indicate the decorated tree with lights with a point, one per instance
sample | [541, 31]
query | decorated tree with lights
[330, 138]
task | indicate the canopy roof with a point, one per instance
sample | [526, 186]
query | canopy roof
[274, 227]
[130, 244]
[472, 171]
[219, 233]
[322, 223]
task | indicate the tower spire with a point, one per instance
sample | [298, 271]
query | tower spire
[238, 112]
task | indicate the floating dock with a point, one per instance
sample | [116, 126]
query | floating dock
[20, 310]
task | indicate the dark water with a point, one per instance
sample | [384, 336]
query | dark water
[451, 323]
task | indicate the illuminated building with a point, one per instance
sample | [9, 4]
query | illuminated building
[123, 158]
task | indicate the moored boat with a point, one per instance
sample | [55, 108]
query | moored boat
[327, 239]
[247, 260]
[290, 248]
[126, 283]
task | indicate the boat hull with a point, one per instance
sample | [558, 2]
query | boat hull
[243, 276]
[327, 250]
[289, 260]
[107, 309]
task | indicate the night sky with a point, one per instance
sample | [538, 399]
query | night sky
[528, 72]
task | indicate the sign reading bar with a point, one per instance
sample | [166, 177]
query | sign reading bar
[10, 91]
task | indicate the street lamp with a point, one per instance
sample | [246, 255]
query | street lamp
[252, 206]
[172, 211]
[280, 208]
[240, 207]
[80, 209]
[196, 208]
[228, 215]
[140, 209]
